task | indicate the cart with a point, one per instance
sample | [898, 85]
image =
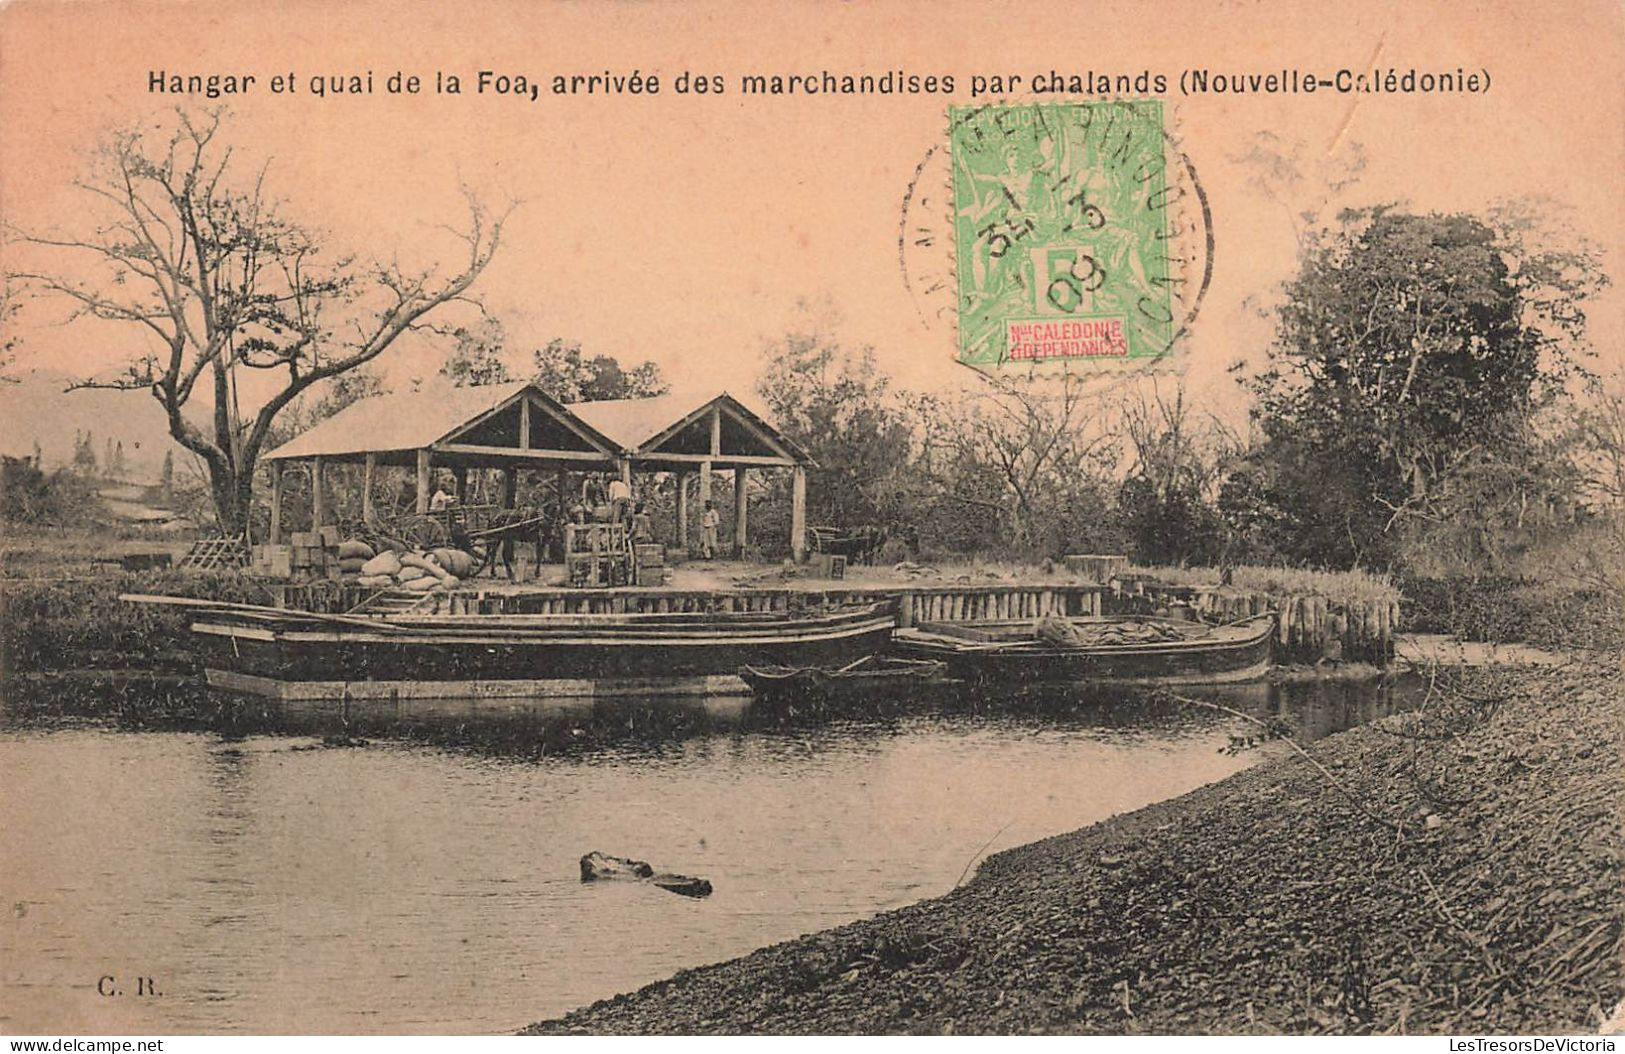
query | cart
[485, 532]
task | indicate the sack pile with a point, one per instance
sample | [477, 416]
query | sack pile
[419, 570]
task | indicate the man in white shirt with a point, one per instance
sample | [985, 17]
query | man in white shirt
[620, 501]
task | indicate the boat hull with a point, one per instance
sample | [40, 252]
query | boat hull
[1230, 658]
[294, 656]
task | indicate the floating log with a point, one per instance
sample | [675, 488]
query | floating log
[683, 885]
[599, 867]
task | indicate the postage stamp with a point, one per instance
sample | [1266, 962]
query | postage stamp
[1062, 234]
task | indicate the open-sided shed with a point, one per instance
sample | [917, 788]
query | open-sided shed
[518, 425]
[696, 436]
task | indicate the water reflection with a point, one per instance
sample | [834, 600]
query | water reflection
[584, 728]
[427, 882]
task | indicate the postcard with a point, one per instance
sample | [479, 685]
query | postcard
[807, 518]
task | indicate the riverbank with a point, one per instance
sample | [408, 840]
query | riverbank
[1455, 870]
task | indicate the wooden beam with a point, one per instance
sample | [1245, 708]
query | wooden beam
[682, 512]
[762, 460]
[798, 514]
[318, 501]
[569, 421]
[716, 430]
[369, 468]
[524, 424]
[740, 508]
[276, 503]
[767, 438]
[539, 455]
[423, 482]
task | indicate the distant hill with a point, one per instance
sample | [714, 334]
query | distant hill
[38, 409]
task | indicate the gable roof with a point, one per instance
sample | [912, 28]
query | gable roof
[636, 423]
[413, 420]
[400, 422]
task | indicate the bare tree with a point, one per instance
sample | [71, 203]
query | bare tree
[1038, 438]
[209, 266]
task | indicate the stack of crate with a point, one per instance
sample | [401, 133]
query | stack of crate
[272, 561]
[597, 555]
[314, 554]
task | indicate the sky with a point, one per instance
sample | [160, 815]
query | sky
[687, 229]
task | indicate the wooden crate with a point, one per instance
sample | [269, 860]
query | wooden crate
[828, 565]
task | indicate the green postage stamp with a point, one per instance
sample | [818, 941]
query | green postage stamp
[1061, 233]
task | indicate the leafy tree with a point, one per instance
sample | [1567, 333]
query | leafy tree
[560, 370]
[1164, 500]
[174, 243]
[833, 402]
[477, 355]
[22, 490]
[30, 496]
[1410, 351]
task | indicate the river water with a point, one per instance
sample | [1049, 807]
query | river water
[427, 881]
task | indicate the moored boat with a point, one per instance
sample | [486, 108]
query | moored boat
[1096, 650]
[306, 655]
[872, 675]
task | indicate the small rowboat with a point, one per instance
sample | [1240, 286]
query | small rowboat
[1095, 650]
[869, 676]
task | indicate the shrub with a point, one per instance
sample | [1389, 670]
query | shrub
[80, 623]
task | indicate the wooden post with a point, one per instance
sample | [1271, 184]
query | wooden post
[462, 484]
[705, 483]
[524, 422]
[716, 431]
[368, 468]
[625, 467]
[682, 512]
[510, 487]
[276, 503]
[798, 514]
[318, 502]
[423, 482]
[740, 505]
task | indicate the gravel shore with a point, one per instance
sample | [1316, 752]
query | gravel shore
[1452, 871]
